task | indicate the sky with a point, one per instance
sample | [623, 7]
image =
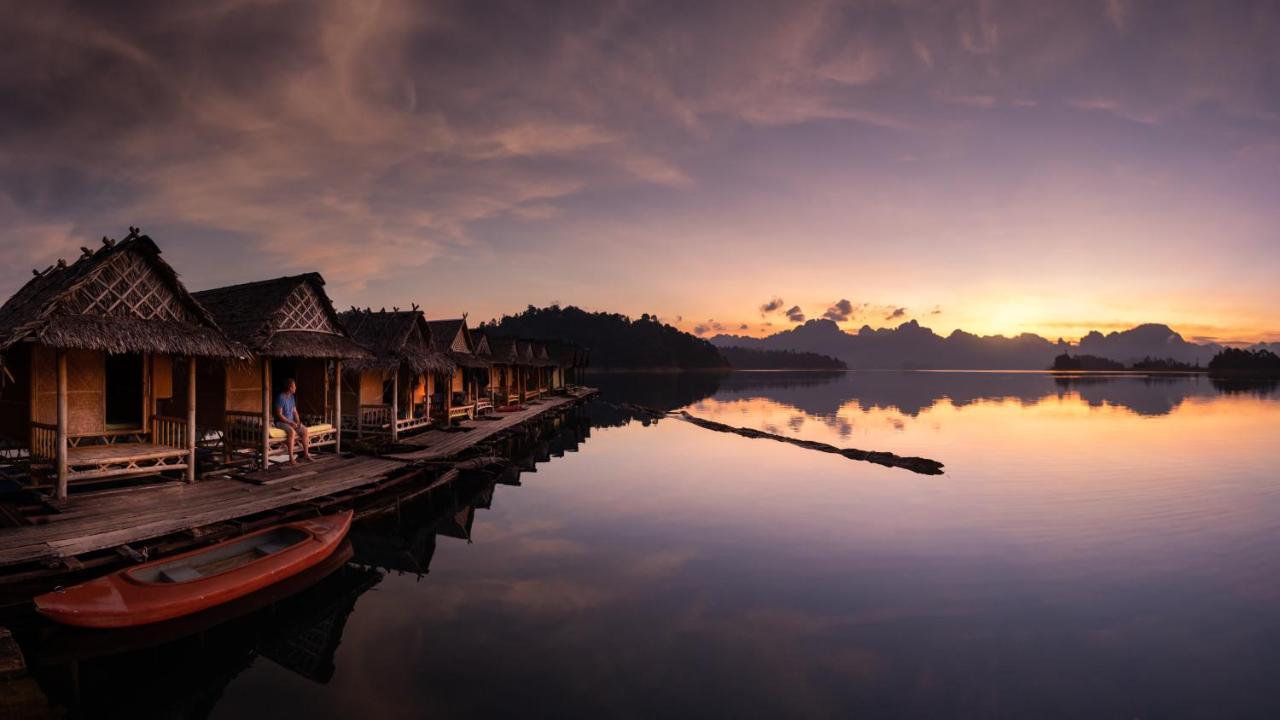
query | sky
[729, 165]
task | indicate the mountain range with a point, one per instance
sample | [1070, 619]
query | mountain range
[913, 346]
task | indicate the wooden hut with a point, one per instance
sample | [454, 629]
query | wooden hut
[291, 328]
[545, 367]
[505, 371]
[390, 393]
[528, 370]
[484, 379]
[454, 398]
[98, 366]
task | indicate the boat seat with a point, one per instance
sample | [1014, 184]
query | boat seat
[271, 548]
[181, 573]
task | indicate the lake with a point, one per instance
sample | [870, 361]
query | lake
[1098, 546]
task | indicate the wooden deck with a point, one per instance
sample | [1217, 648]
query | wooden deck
[441, 444]
[112, 519]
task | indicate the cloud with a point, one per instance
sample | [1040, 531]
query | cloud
[701, 329]
[795, 314]
[936, 311]
[774, 305]
[896, 313]
[841, 311]
[743, 326]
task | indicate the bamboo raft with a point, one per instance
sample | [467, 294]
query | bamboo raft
[107, 527]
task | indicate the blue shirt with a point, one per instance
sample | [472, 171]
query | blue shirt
[285, 405]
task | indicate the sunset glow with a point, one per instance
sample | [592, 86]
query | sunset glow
[998, 167]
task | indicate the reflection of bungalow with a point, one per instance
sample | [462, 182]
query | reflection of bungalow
[506, 371]
[454, 398]
[389, 394]
[98, 366]
[291, 327]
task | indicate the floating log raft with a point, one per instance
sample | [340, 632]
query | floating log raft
[923, 466]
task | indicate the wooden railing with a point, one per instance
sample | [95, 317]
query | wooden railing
[44, 441]
[168, 431]
[375, 416]
[244, 429]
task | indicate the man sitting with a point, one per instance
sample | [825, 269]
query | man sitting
[288, 420]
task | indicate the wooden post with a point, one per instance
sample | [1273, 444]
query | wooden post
[266, 412]
[191, 419]
[61, 466]
[448, 401]
[337, 406]
[360, 404]
[395, 404]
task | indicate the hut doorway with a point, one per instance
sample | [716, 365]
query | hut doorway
[124, 391]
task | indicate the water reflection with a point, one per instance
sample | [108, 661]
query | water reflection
[181, 668]
[910, 393]
[1100, 547]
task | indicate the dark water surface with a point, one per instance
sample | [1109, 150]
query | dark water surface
[1102, 547]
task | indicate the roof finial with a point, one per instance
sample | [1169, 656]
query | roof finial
[395, 308]
[415, 306]
[86, 252]
[62, 263]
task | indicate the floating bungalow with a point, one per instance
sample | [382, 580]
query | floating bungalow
[506, 371]
[293, 332]
[98, 365]
[484, 391]
[389, 394]
[454, 397]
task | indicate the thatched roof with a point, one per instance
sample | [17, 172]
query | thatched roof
[395, 337]
[503, 351]
[541, 356]
[285, 317]
[453, 338]
[120, 298]
[481, 342]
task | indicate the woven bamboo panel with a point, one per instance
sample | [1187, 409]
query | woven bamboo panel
[305, 311]
[127, 285]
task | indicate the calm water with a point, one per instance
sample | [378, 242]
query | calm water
[1099, 547]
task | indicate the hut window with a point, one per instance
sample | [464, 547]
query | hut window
[124, 391]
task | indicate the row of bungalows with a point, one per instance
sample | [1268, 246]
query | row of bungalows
[110, 368]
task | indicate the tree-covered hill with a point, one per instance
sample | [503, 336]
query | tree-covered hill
[614, 340]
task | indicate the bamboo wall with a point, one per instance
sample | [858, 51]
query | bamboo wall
[244, 386]
[86, 399]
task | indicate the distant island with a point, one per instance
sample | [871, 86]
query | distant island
[911, 346]
[1236, 363]
[1068, 362]
[751, 359]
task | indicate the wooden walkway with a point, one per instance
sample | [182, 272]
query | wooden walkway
[440, 444]
[111, 519]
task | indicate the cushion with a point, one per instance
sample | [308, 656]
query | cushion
[279, 434]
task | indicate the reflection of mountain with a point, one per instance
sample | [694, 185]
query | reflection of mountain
[912, 392]
[911, 346]
[662, 391]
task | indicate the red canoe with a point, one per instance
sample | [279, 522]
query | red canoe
[197, 580]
